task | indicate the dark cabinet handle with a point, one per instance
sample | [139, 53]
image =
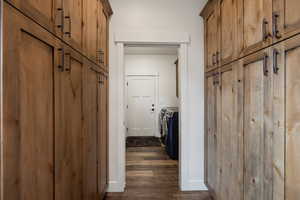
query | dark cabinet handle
[60, 24]
[213, 59]
[275, 61]
[276, 32]
[68, 31]
[67, 62]
[264, 30]
[265, 65]
[217, 57]
[61, 65]
[100, 56]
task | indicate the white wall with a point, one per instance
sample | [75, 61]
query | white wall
[163, 16]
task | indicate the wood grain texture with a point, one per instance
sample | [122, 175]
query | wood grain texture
[158, 180]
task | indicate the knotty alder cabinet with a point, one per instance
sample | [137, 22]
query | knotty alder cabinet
[81, 24]
[237, 28]
[252, 118]
[55, 137]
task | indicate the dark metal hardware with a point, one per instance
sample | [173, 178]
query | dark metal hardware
[100, 56]
[213, 59]
[61, 23]
[67, 62]
[275, 61]
[276, 32]
[265, 65]
[266, 35]
[153, 109]
[62, 59]
[68, 31]
[217, 57]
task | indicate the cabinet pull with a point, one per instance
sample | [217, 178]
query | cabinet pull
[61, 19]
[265, 65]
[68, 32]
[276, 32]
[213, 59]
[217, 57]
[100, 55]
[275, 61]
[264, 30]
[62, 59]
[68, 62]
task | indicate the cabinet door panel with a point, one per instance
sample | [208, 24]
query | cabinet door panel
[30, 58]
[212, 39]
[254, 29]
[73, 30]
[231, 157]
[103, 136]
[103, 35]
[90, 138]
[68, 142]
[257, 129]
[42, 11]
[228, 30]
[286, 18]
[292, 84]
[90, 28]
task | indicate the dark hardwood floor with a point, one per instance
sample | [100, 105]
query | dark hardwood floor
[151, 175]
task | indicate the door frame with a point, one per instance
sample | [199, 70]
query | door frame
[154, 77]
[182, 40]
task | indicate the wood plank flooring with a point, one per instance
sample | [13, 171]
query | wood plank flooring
[151, 175]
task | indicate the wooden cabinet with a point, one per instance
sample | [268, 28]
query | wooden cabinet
[256, 29]
[102, 134]
[73, 23]
[286, 18]
[102, 41]
[212, 137]
[229, 37]
[212, 53]
[55, 115]
[29, 74]
[47, 12]
[69, 132]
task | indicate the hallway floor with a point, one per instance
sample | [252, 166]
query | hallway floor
[151, 175]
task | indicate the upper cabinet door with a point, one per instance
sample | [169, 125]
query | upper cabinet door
[228, 30]
[73, 23]
[29, 70]
[212, 38]
[90, 9]
[256, 24]
[102, 40]
[286, 18]
[44, 12]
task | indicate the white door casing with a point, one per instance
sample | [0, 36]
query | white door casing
[141, 105]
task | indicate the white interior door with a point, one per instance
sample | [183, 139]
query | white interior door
[141, 98]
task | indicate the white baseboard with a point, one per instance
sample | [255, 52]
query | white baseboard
[194, 185]
[114, 186]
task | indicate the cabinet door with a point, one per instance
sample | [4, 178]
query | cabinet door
[91, 140]
[286, 18]
[29, 71]
[212, 39]
[90, 28]
[231, 133]
[212, 136]
[69, 135]
[256, 24]
[102, 36]
[44, 12]
[258, 127]
[288, 114]
[73, 22]
[228, 30]
[103, 135]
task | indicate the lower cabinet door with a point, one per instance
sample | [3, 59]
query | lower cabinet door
[29, 70]
[102, 135]
[69, 180]
[258, 127]
[231, 152]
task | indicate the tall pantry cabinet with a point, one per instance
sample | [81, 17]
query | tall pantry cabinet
[252, 114]
[55, 101]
